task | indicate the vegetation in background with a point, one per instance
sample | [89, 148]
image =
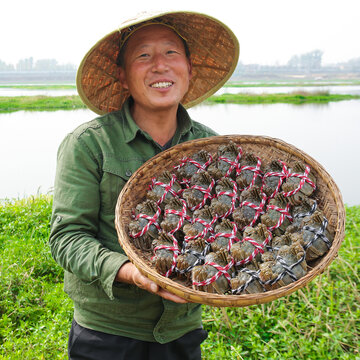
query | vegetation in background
[47, 103]
[39, 103]
[297, 98]
[319, 321]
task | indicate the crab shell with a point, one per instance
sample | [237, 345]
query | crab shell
[193, 253]
[242, 250]
[271, 217]
[147, 207]
[244, 215]
[189, 169]
[194, 197]
[206, 271]
[158, 191]
[222, 204]
[292, 183]
[171, 221]
[270, 270]
[219, 168]
[196, 227]
[222, 242]
[244, 277]
[163, 258]
[298, 212]
[318, 246]
[270, 183]
[245, 178]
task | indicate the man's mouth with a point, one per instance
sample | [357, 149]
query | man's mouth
[162, 84]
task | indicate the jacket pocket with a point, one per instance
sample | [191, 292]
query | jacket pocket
[115, 175]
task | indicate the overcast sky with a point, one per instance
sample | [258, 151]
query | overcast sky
[269, 31]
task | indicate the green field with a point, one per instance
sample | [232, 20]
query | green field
[320, 321]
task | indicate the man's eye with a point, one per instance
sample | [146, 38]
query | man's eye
[143, 55]
[171, 52]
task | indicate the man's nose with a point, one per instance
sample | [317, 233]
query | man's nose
[159, 63]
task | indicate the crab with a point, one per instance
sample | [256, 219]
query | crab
[164, 188]
[200, 192]
[254, 243]
[190, 166]
[299, 212]
[226, 234]
[250, 208]
[176, 216]
[273, 178]
[228, 157]
[193, 255]
[249, 173]
[202, 225]
[213, 276]
[145, 227]
[289, 266]
[277, 217]
[317, 238]
[247, 281]
[227, 198]
[166, 251]
[286, 239]
[299, 183]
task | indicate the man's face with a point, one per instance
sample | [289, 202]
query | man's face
[157, 71]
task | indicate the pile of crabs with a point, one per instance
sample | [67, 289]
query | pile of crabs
[228, 224]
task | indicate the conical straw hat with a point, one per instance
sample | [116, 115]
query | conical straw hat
[214, 53]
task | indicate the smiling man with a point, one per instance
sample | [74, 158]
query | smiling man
[139, 79]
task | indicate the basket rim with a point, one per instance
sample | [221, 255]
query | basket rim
[243, 299]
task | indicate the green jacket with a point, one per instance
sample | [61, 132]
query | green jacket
[94, 163]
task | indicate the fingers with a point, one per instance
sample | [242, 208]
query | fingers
[147, 284]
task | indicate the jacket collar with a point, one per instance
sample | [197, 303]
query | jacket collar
[131, 129]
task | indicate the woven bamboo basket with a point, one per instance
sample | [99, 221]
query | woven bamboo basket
[328, 197]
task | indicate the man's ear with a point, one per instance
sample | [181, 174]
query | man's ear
[122, 78]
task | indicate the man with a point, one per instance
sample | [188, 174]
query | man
[137, 77]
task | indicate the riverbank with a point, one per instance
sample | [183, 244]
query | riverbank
[48, 103]
[319, 321]
[296, 98]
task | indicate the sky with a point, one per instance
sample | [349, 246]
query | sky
[269, 31]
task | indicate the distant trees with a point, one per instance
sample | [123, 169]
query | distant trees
[308, 61]
[29, 64]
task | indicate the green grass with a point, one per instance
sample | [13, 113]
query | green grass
[38, 103]
[291, 98]
[48, 103]
[320, 321]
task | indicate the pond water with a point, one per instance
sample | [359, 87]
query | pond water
[328, 133]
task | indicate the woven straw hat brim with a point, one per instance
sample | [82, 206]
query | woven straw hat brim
[214, 53]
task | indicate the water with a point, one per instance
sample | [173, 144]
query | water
[36, 92]
[329, 133]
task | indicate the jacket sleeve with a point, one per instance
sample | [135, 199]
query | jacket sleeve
[74, 224]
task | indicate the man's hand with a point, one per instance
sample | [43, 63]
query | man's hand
[129, 274]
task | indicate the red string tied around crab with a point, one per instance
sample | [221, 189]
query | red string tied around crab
[233, 196]
[231, 236]
[167, 188]
[282, 176]
[284, 213]
[206, 192]
[259, 248]
[304, 178]
[258, 208]
[222, 270]
[152, 220]
[233, 164]
[182, 216]
[256, 170]
[175, 249]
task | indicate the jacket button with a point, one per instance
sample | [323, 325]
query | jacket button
[58, 218]
[128, 173]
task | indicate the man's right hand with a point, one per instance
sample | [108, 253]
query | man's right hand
[129, 274]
